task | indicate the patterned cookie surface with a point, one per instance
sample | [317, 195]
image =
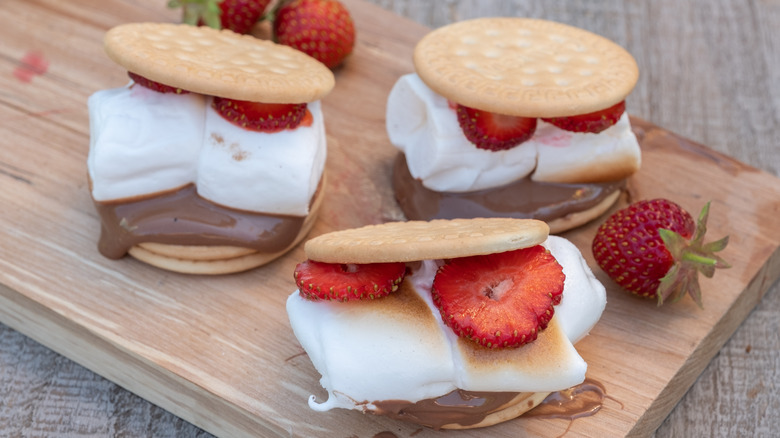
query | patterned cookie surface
[219, 63]
[525, 67]
[421, 240]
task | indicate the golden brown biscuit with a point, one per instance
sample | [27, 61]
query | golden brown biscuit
[426, 240]
[525, 67]
[218, 62]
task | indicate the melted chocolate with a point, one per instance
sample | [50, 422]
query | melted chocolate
[181, 217]
[523, 199]
[471, 407]
[579, 401]
[458, 407]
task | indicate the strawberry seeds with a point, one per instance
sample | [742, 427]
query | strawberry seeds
[256, 116]
[499, 300]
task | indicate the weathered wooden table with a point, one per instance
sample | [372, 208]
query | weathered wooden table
[709, 72]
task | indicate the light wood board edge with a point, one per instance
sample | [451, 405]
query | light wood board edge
[145, 379]
[709, 346]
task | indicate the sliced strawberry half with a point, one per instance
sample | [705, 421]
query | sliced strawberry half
[493, 131]
[257, 116]
[594, 122]
[499, 300]
[156, 86]
[343, 282]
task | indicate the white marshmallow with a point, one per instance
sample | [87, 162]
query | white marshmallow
[257, 171]
[421, 123]
[144, 142]
[584, 296]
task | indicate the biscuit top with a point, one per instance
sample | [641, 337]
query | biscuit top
[218, 62]
[525, 67]
[426, 240]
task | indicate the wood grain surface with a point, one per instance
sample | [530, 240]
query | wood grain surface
[709, 72]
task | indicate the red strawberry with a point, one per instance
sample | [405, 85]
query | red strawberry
[239, 16]
[256, 116]
[494, 131]
[323, 29]
[594, 122]
[499, 300]
[342, 282]
[156, 86]
[653, 249]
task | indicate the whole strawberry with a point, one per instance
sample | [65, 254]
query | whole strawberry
[323, 29]
[653, 249]
[239, 16]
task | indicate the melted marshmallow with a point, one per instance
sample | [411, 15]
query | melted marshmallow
[422, 124]
[397, 348]
[143, 142]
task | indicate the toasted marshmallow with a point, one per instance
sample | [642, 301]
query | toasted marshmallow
[397, 347]
[144, 142]
[422, 124]
[374, 349]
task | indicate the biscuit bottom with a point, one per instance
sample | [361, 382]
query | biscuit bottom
[462, 409]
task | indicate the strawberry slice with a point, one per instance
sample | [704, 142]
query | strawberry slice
[499, 300]
[493, 131]
[594, 122]
[156, 86]
[257, 116]
[342, 282]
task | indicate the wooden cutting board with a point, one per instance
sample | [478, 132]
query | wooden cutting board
[219, 352]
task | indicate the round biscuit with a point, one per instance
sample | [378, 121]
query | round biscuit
[525, 67]
[196, 252]
[425, 240]
[218, 62]
[184, 265]
[578, 218]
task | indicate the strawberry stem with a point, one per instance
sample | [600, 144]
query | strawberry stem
[697, 258]
[195, 12]
[691, 258]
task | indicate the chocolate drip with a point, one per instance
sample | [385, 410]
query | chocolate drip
[523, 199]
[181, 217]
[579, 401]
[468, 408]
[457, 407]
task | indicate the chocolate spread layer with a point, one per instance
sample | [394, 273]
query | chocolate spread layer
[182, 217]
[468, 408]
[457, 407]
[579, 401]
[523, 199]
